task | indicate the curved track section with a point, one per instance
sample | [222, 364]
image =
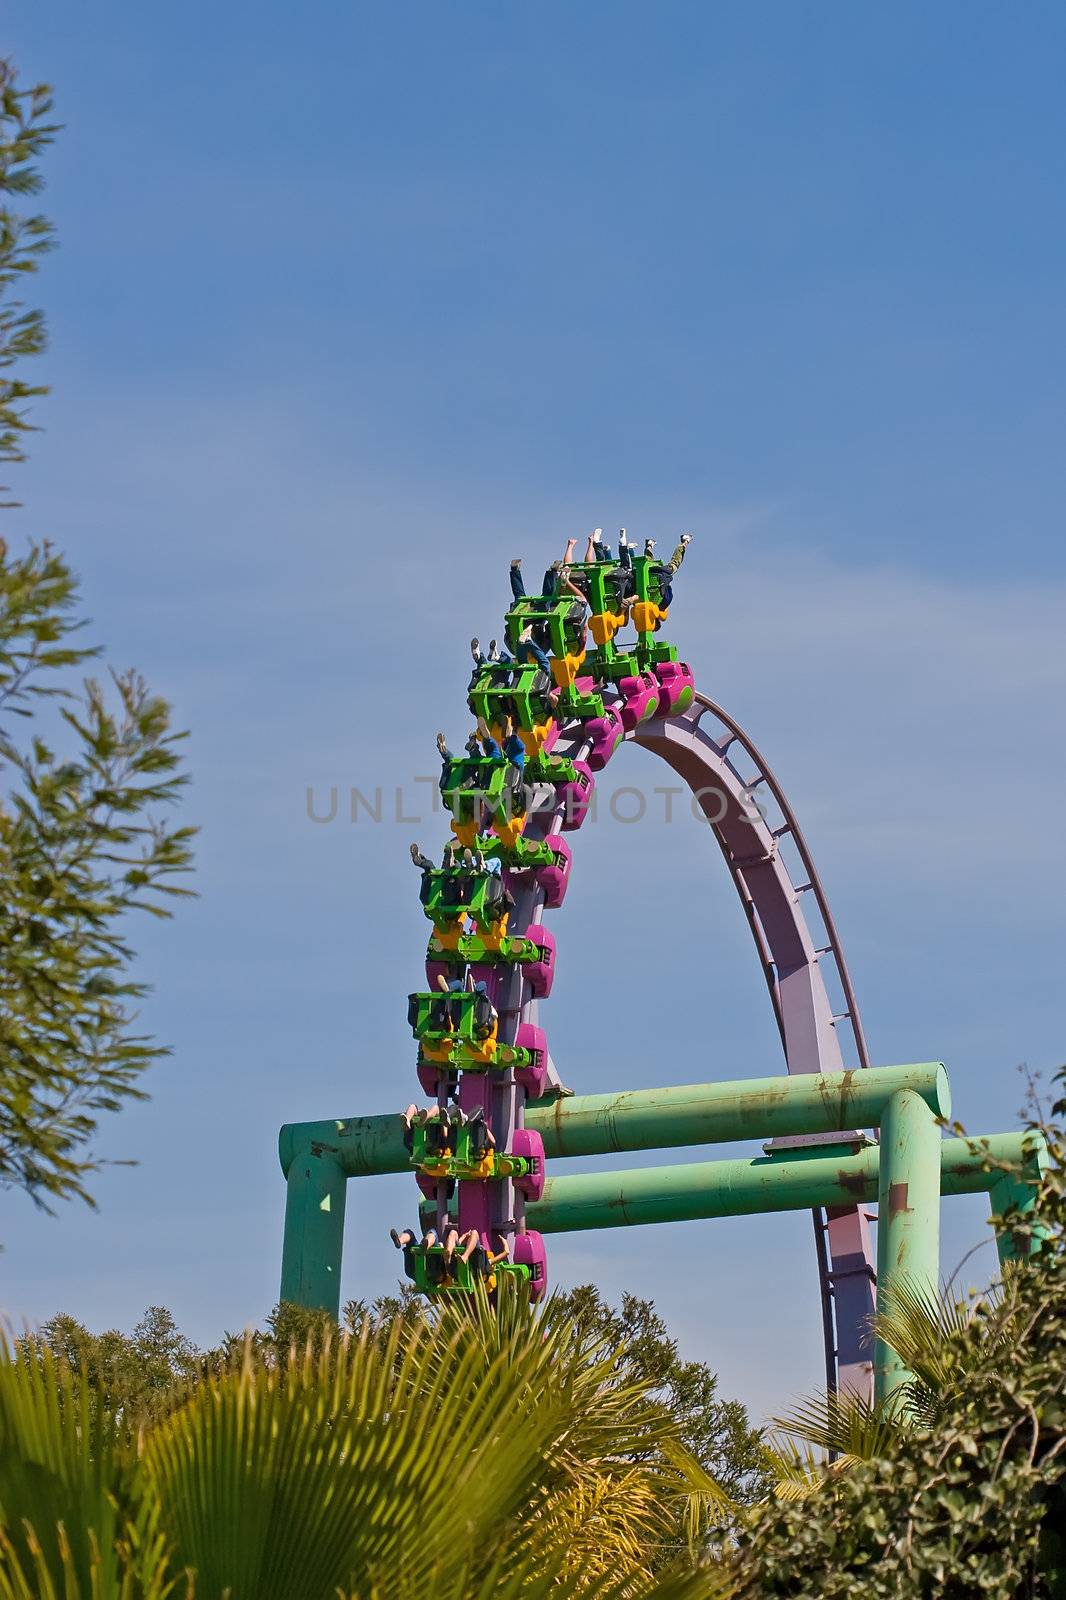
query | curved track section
[658, 710]
[793, 965]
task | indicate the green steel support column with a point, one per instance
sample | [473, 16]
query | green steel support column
[1016, 1191]
[908, 1217]
[314, 1230]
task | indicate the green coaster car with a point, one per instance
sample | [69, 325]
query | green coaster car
[463, 1014]
[520, 691]
[457, 1032]
[550, 769]
[608, 664]
[652, 653]
[524, 852]
[560, 621]
[604, 582]
[534, 952]
[441, 1150]
[472, 784]
[573, 705]
[647, 578]
[433, 1275]
[448, 893]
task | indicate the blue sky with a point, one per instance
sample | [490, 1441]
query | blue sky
[355, 303]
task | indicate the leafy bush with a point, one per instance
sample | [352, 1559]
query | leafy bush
[967, 1496]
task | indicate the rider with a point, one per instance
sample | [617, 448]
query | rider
[512, 750]
[668, 569]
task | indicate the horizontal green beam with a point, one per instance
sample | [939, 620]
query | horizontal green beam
[653, 1119]
[364, 1147]
[797, 1182]
[719, 1113]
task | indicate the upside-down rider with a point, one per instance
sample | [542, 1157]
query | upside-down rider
[468, 1246]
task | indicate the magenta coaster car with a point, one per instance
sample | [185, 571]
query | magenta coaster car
[429, 1076]
[529, 1252]
[640, 699]
[606, 734]
[534, 1078]
[677, 687]
[554, 879]
[526, 1143]
[539, 974]
[551, 878]
[575, 798]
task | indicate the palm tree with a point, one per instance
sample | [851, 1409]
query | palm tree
[484, 1452]
[942, 1342]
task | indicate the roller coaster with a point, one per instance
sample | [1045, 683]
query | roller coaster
[552, 708]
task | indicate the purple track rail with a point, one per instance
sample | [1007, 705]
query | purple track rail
[793, 966]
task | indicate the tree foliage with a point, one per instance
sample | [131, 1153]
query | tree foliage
[716, 1431]
[133, 1375]
[82, 843]
[25, 130]
[957, 1493]
[471, 1453]
[134, 1371]
[90, 772]
[964, 1494]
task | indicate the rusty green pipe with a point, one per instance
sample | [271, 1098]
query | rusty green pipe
[1013, 1195]
[363, 1147]
[719, 1113]
[908, 1220]
[654, 1119]
[316, 1186]
[313, 1154]
[785, 1182]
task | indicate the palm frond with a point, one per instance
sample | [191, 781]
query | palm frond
[484, 1451]
[706, 1504]
[613, 1486]
[547, 1580]
[419, 1452]
[796, 1472]
[30, 1572]
[929, 1333]
[64, 1465]
[842, 1424]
